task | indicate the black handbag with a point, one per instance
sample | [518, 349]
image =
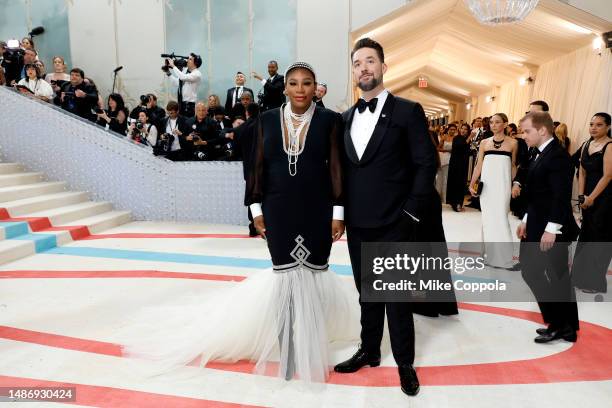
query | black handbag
[479, 188]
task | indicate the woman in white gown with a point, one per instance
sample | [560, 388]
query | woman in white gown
[496, 168]
[283, 318]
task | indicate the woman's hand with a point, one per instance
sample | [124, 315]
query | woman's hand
[473, 191]
[337, 229]
[588, 202]
[260, 225]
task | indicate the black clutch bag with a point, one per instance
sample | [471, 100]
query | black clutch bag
[479, 188]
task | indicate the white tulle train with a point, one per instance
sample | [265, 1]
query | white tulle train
[283, 322]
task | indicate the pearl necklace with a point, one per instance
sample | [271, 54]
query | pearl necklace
[291, 138]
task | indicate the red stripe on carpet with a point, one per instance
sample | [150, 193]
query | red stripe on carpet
[77, 232]
[36, 223]
[586, 360]
[34, 274]
[99, 396]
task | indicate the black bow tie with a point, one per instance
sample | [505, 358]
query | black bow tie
[362, 105]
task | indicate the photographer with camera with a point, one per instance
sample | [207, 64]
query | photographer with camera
[115, 117]
[141, 131]
[35, 84]
[148, 103]
[76, 96]
[202, 130]
[172, 134]
[188, 81]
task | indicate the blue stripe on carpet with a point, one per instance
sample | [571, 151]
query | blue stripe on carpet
[42, 242]
[14, 229]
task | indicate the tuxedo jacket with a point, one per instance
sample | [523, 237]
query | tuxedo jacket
[230, 96]
[395, 176]
[273, 95]
[548, 190]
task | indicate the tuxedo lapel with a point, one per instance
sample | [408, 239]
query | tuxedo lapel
[542, 155]
[349, 147]
[380, 130]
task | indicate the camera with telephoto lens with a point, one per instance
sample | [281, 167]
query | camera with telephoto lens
[200, 155]
[144, 99]
[180, 62]
[163, 145]
[226, 150]
[12, 60]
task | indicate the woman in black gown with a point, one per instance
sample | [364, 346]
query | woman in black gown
[284, 318]
[594, 248]
[295, 195]
[457, 169]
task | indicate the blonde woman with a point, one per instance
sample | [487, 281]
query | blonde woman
[562, 136]
[59, 76]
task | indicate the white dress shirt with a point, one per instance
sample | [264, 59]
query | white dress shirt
[263, 81]
[191, 83]
[364, 123]
[363, 126]
[39, 87]
[170, 128]
[237, 94]
[551, 227]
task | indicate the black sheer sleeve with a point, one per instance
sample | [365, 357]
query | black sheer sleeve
[254, 190]
[335, 164]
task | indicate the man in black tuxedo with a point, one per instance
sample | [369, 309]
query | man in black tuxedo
[547, 229]
[523, 168]
[273, 87]
[234, 94]
[389, 171]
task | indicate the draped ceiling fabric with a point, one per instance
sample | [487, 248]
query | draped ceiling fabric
[465, 61]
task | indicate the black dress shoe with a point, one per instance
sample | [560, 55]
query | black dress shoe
[567, 334]
[360, 359]
[408, 380]
[543, 330]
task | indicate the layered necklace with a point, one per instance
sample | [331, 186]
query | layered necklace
[498, 144]
[291, 133]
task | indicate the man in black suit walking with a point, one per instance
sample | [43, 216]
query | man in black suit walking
[273, 87]
[547, 229]
[234, 94]
[389, 168]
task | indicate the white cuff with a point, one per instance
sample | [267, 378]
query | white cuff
[517, 183]
[525, 219]
[553, 228]
[338, 213]
[256, 209]
[263, 82]
[412, 216]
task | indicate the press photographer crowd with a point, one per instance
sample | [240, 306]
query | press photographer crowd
[187, 129]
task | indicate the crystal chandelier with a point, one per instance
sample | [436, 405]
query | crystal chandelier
[493, 12]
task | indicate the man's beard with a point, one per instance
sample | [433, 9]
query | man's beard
[368, 86]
